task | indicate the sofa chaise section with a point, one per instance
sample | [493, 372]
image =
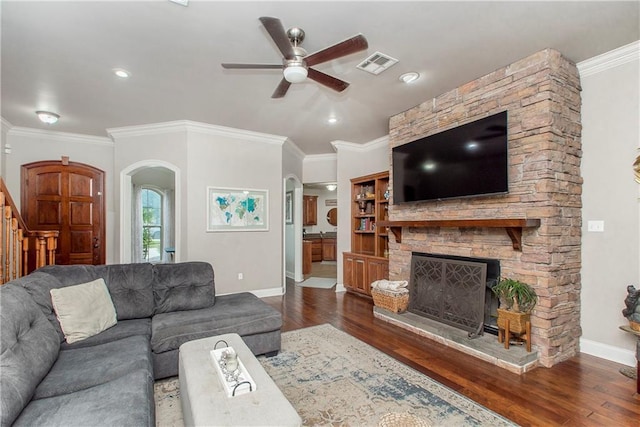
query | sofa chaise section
[107, 378]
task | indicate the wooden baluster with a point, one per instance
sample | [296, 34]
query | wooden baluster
[41, 244]
[16, 248]
[25, 255]
[20, 252]
[52, 245]
[2, 255]
[6, 238]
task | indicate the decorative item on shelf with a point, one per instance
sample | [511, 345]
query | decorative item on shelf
[386, 193]
[632, 310]
[369, 208]
[363, 193]
[517, 300]
[363, 206]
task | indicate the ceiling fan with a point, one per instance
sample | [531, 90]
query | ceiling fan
[296, 63]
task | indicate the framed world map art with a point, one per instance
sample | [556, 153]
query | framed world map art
[236, 209]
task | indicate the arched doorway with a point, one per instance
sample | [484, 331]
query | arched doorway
[292, 229]
[164, 179]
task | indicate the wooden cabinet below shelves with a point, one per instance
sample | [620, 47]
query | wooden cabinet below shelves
[316, 250]
[306, 257]
[310, 210]
[329, 250]
[361, 270]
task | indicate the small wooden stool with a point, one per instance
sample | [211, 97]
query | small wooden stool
[505, 335]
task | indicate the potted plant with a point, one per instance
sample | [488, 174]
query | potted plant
[517, 300]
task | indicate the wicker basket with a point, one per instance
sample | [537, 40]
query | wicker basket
[517, 321]
[395, 301]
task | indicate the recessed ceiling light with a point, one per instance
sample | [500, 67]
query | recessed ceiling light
[47, 117]
[122, 73]
[331, 187]
[332, 120]
[409, 77]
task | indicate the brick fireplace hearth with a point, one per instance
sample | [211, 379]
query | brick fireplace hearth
[542, 96]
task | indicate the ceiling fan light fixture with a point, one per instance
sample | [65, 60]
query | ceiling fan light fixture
[47, 117]
[295, 73]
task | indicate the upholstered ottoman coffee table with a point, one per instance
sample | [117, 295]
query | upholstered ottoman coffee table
[204, 399]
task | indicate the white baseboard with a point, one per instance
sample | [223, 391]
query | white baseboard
[340, 288]
[262, 293]
[609, 352]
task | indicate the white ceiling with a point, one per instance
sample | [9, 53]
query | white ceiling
[58, 56]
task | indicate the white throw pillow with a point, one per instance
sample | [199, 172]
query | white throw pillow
[83, 310]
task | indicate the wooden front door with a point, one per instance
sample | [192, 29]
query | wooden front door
[68, 197]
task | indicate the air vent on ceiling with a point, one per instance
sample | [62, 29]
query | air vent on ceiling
[377, 63]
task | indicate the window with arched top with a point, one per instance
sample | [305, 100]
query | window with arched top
[152, 235]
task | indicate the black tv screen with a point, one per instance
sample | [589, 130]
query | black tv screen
[469, 160]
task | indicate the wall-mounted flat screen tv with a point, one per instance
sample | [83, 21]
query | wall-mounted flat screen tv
[469, 160]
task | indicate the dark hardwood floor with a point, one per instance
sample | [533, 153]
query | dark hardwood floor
[583, 391]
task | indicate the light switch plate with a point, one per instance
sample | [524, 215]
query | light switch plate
[595, 226]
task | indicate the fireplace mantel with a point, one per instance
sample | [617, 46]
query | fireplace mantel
[513, 226]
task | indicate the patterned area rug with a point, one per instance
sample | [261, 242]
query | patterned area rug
[331, 378]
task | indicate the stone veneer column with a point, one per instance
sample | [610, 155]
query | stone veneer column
[542, 96]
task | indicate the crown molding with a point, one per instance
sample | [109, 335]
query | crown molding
[315, 158]
[292, 147]
[352, 146]
[197, 127]
[611, 59]
[5, 123]
[56, 136]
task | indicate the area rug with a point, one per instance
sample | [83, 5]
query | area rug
[318, 282]
[331, 378]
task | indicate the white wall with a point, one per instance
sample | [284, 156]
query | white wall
[208, 155]
[229, 162]
[165, 143]
[31, 145]
[355, 160]
[319, 168]
[4, 130]
[610, 141]
[292, 166]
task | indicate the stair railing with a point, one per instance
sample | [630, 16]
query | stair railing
[17, 241]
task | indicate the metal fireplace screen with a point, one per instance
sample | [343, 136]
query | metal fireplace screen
[449, 291]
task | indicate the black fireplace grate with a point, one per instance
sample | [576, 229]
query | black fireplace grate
[448, 290]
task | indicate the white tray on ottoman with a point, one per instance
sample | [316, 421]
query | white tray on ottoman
[204, 398]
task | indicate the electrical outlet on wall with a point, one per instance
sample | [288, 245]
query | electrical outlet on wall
[240, 276]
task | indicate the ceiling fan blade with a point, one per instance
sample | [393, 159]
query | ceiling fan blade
[347, 47]
[279, 35]
[282, 89]
[251, 66]
[325, 79]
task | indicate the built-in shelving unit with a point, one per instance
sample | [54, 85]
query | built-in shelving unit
[513, 226]
[368, 260]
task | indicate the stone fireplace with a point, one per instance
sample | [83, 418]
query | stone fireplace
[541, 94]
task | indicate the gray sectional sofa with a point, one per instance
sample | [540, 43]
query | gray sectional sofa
[107, 378]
